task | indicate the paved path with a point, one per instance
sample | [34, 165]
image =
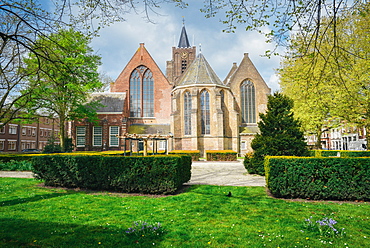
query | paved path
[202, 172]
[224, 174]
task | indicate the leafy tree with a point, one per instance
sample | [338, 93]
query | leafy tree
[280, 134]
[63, 87]
[330, 85]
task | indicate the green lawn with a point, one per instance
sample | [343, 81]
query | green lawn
[32, 216]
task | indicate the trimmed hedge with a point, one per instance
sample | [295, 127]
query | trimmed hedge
[221, 155]
[318, 178]
[152, 174]
[194, 154]
[341, 153]
[4, 158]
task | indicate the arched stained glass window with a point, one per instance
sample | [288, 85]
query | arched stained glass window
[141, 93]
[204, 112]
[187, 113]
[248, 102]
[148, 94]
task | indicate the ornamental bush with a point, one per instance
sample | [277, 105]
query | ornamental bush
[280, 134]
[152, 174]
[221, 155]
[194, 154]
[319, 178]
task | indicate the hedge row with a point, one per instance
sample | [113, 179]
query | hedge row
[194, 154]
[318, 178]
[339, 153]
[221, 155]
[152, 174]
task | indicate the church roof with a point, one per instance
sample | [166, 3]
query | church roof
[184, 41]
[110, 102]
[199, 72]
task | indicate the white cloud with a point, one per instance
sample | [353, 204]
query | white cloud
[118, 43]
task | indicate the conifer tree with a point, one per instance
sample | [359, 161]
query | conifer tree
[280, 134]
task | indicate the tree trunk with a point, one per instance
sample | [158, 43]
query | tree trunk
[367, 136]
[318, 142]
[62, 133]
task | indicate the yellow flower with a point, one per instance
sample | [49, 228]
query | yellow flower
[307, 238]
[209, 242]
[99, 243]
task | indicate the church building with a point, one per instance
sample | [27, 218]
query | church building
[190, 102]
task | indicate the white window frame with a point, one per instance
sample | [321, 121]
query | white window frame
[162, 145]
[13, 129]
[113, 139]
[243, 145]
[12, 145]
[97, 133]
[80, 136]
[2, 144]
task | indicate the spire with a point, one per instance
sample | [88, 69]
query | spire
[184, 41]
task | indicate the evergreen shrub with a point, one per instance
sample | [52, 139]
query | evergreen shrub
[342, 153]
[221, 155]
[152, 174]
[12, 165]
[319, 178]
[194, 154]
[280, 134]
[4, 158]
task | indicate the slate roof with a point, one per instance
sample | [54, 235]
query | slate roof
[200, 72]
[184, 41]
[112, 102]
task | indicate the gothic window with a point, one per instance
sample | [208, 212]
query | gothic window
[141, 93]
[223, 108]
[248, 102]
[187, 113]
[148, 94]
[204, 112]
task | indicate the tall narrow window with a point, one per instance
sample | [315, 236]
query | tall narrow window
[248, 102]
[113, 139]
[224, 111]
[141, 93]
[187, 113]
[148, 94]
[204, 112]
[97, 136]
[80, 136]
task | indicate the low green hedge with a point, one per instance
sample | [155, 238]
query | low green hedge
[16, 157]
[221, 155]
[341, 153]
[152, 174]
[318, 178]
[194, 154]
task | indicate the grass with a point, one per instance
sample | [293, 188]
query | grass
[33, 216]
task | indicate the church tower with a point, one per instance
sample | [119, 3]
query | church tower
[182, 56]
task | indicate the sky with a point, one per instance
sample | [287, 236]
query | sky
[118, 42]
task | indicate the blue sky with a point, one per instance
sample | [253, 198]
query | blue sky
[118, 42]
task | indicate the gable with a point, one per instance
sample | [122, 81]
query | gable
[140, 58]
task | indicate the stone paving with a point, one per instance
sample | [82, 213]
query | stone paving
[223, 174]
[202, 172]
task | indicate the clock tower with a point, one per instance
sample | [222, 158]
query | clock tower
[182, 56]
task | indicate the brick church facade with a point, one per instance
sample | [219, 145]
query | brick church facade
[190, 102]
